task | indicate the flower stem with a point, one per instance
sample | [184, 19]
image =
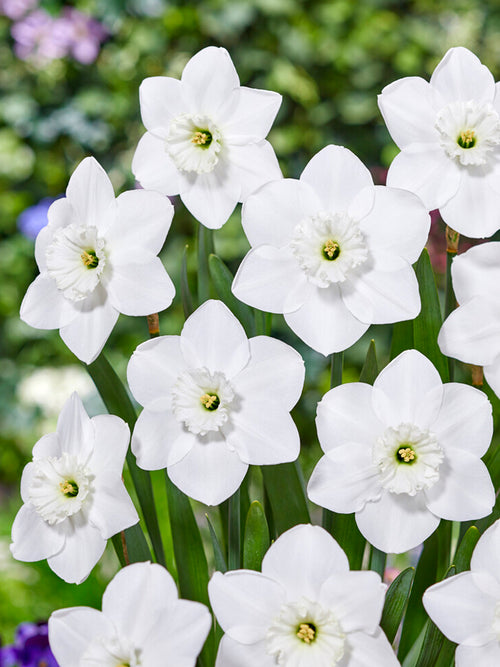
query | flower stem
[452, 240]
[153, 325]
[234, 532]
[205, 249]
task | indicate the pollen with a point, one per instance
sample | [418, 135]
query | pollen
[466, 138]
[69, 488]
[306, 633]
[210, 401]
[90, 259]
[406, 454]
[202, 138]
[331, 250]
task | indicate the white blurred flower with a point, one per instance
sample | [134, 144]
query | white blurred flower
[466, 607]
[306, 609]
[471, 333]
[404, 454]
[97, 258]
[332, 251]
[142, 622]
[214, 402]
[49, 387]
[448, 131]
[73, 494]
[206, 137]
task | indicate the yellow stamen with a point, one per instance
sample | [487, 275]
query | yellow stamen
[407, 454]
[467, 138]
[208, 401]
[306, 633]
[200, 138]
[331, 249]
[89, 258]
[69, 488]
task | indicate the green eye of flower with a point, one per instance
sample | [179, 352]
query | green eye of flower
[331, 250]
[90, 259]
[202, 138]
[69, 488]
[306, 632]
[466, 139]
[210, 401]
[406, 455]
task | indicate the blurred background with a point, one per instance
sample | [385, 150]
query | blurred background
[69, 78]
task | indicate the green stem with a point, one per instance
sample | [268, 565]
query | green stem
[205, 249]
[234, 532]
[377, 561]
[452, 240]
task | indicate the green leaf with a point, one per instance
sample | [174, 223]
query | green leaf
[377, 561]
[192, 568]
[220, 561]
[186, 298]
[234, 532]
[345, 530]
[369, 371]
[286, 494]
[205, 248]
[137, 549]
[402, 338]
[427, 324]
[396, 600]
[464, 551]
[256, 541]
[223, 279]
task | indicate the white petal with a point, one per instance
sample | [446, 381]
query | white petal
[398, 224]
[337, 176]
[234, 654]
[345, 415]
[262, 432]
[270, 279]
[474, 210]
[32, 538]
[142, 223]
[461, 610]
[212, 338]
[487, 654]
[83, 548]
[112, 508]
[45, 307]
[208, 79]
[270, 215]
[461, 77]
[325, 323]
[465, 420]
[141, 289]
[212, 197]
[249, 112]
[484, 558]
[154, 168]
[74, 428]
[90, 193]
[154, 368]
[408, 390]
[380, 297]
[302, 559]
[408, 109]
[210, 472]
[475, 271]
[60, 214]
[464, 491]
[136, 596]
[345, 479]
[396, 522]
[426, 170]
[111, 440]
[252, 165]
[161, 100]
[71, 631]
[471, 333]
[275, 372]
[159, 439]
[356, 599]
[89, 331]
[370, 650]
[245, 603]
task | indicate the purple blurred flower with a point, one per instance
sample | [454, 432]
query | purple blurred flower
[84, 35]
[39, 37]
[14, 9]
[34, 218]
[30, 648]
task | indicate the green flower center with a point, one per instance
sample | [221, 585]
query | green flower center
[406, 455]
[90, 259]
[466, 139]
[202, 138]
[210, 401]
[69, 488]
[306, 632]
[330, 250]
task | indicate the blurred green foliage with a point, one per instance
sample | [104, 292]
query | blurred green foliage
[328, 58]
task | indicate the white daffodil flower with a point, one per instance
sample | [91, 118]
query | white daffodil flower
[466, 607]
[205, 137]
[73, 494]
[306, 609]
[97, 258]
[448, 131]
[214, 402]
[404, 454]
[471, 333]
[332, 251]
[142, 622]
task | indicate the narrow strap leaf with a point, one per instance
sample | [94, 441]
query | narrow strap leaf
[369, 371]
[220, 561]
[286, 495]
[256, 541]
[205, 248]
[186, 297]
[461, 561]
[396, 600]
[377, 561]
[402, 338]
[223, 279]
